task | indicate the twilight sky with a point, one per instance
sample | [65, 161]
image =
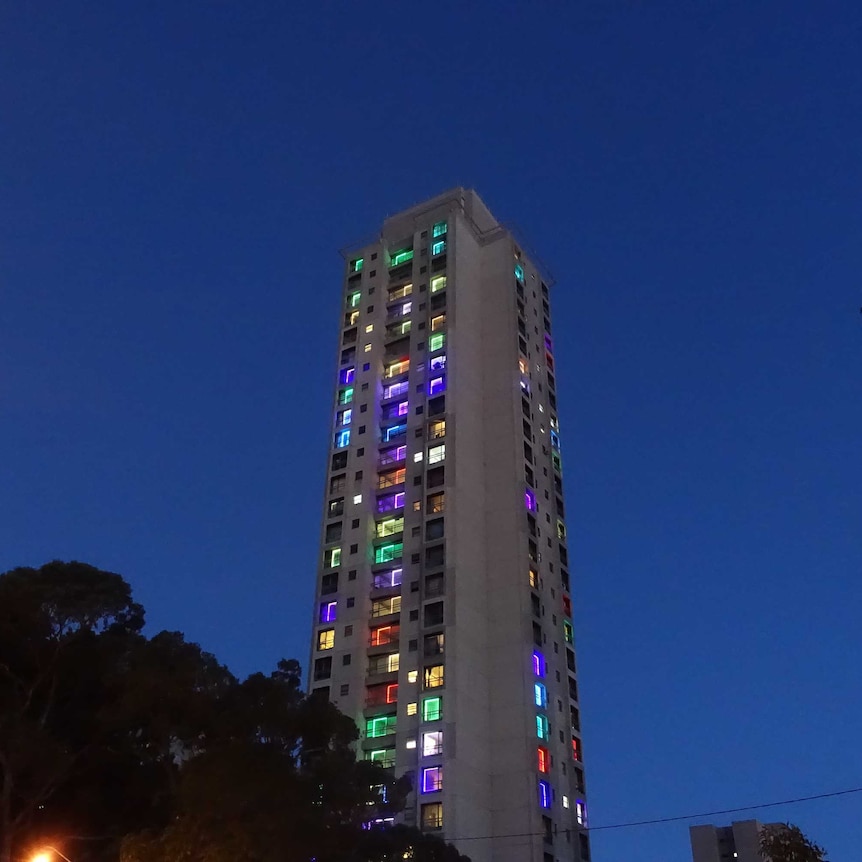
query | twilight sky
[175, 182]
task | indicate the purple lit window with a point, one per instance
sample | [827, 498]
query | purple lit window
[347, 375]
[530, 500]
[390, 502]
[544, 794]
[328, 612]
[392, 578]
[403, 408]
[436, 385]
[438, 363]
[548, 345]
[432, 779]
[538, 664]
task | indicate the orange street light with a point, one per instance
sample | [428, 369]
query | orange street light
[44, 856]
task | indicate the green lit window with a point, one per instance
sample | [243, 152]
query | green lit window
[389, 527]
[333, 557]
[357, 264]
[401, 257]
[387, 553]
[543, 730]
[436, 342]
[558, 463]
[384, 757]
[438, 247]
[438, 284]
[439, 229]
[567, 632]
[432, 709]
[519, 272]
[561, 530]
[346, 395]
[354, 299]
[383, 725]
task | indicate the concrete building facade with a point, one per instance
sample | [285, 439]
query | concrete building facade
[443, 614]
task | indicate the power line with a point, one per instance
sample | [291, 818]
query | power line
[677, 817]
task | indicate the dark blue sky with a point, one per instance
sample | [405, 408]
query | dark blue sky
[175, 182]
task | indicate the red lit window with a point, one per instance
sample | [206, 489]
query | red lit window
[567, 606]
[544, 759]
[576, 748]
[392, 693]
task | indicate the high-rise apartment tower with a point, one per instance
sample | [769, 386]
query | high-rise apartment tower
[443, 613]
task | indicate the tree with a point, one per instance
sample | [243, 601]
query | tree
[784, 842]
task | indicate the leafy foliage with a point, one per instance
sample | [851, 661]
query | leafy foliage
[784, 842]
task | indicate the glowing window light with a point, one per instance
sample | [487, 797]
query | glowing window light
[438, 247]
[432, 779]
[530, 500]
[328, 612]
[544, 759]
[544, 794]
[439, 229]
[542, 727]
[539, 667]
[540, 695]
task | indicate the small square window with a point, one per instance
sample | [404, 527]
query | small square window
[357, 475]
[351, 602]
[374, 256]
[370, 307]
[345, 659]
[363, 408]
[354, 549]
[357, 499]
[367, 348]
[354, 523]
[414, 615]
[345, 689]
[360, 451]
[371, 275]
[361, 429]
[419, 410]
[366, 366]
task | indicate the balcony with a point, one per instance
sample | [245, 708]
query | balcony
[391, 479]
[405, 255]
[384, 635]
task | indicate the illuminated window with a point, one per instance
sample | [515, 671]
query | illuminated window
[436, 503]
[333, 557]
[436, 385]
[384, 635]
[328, 612]
[561, 530]
[432, 816]
[399, 292]
[565, 801]
[382, 725]
[384, 663]
[576, 748]
[438, 247]
[367, 348]
[436, 454]
[439, 229]
[383, 580]
[413, 676]
[345, 396]
[534, 578]
[384, 757]
[383, 607]
[544, 794]
[523, 366]
[539, 667]
[344, 417]
[568, 633]
[555, 439]
[350, 318]
[356, 265]
[369, 327]
[432, 709]
[401, 256]
[530, 500]
[519, 272]
[393, 477]
[412, 708]
[393, 432]
[347, 374]
[389, 527]
[354, 299]
[437, 429]
[357, 499]
[438, 363]
[432, 779]
[438, 283]
[395, 368]
[433, 677]
[432, 743]
[390, 502]
[393, 390]
[540, 695]
[326, 639]
[417, 457]
[438, 322]
[544, 759]
[342, 439]
[436, 342]
[581, 812]
[392, 693]
[542, 729]
[411, 743]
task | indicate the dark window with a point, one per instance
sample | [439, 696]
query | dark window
[434, 586]
[354, 524]
[336, 507]
[432, 644]
[339, 460]
[434, 529]
[351, 602]
[585, 846]
[345, 689]
[333, 532]
[354, 549]
[537, 634]
[570, 660]
[435, 556]
[437, 406]
[435, 477]
[323, 668]
[329, 584]
[433, 614]
[345, 659]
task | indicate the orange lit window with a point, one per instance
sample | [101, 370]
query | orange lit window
[534, 578]
[384, 635]
[544, 759]
[576, 748]
[392, 693]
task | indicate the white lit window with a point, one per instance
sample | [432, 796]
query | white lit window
[436, 453]
[412, 676]
[417, 457]
[357, 499]
[370, 327]
[368, 348]
[411, 743]
[565, 801]
[432, 743]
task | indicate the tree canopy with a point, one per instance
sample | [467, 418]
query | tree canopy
[784, 842]
[117, 746]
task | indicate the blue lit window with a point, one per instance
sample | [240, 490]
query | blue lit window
[342, 438]
[328, 612]
[540, 694]
[538, 664]
[347, 375]
[519, 272]
[394, 431]
[438, 247]
[555, 440]
[438, 363]
[344, 416]
[542, 727]
[436, 385]
[544, 794]
[439, 229]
